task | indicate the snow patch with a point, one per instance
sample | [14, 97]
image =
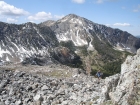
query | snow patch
[121, 47]
[23, 28]
[7, 58]
[4, 52]
[61, 37]
[98, 37]
[75, 20]
[15, 46]
[90, 27]
[39, 33]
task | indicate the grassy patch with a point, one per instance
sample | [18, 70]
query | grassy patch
[57, 74]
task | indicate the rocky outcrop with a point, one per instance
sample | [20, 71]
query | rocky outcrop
[110, 85]
[127, 91]
[124, 89]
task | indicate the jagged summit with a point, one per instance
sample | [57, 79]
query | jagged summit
[75, 19]
[71, 16]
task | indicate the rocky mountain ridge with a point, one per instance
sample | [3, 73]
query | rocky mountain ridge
[81, 31]
[104, 47]
[20, 41]
[125, 89]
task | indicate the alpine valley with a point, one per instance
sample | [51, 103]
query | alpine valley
[73, 41]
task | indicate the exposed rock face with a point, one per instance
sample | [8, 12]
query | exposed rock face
[132, 63]
[127, 90]
[110, 85]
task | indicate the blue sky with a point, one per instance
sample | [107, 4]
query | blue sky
[122, 14]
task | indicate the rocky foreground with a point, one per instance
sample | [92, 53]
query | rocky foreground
[21, 87]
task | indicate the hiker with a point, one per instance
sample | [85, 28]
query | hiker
[99, 74]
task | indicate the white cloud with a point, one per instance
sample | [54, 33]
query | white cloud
[43, 16]
[2, 17]
[11, 20]
[121, 24]
[138, 6]
[40, 16]
[58, 16]
[79, 1]
[101, 1]
[137, 9]
[123, 7]
[6, 9]
[108, 25]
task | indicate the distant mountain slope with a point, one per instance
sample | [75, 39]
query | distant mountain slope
[99, 46]
[30, 43]
[25, 40]
[79, 30]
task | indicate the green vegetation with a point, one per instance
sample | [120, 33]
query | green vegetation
[106, 50]
[83, 50]
[104, 58]
[69, 45]
[57, 73]
[108, 60]
[112, 67]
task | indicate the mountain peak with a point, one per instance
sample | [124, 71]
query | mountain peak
[72, 15]
[69, 17]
